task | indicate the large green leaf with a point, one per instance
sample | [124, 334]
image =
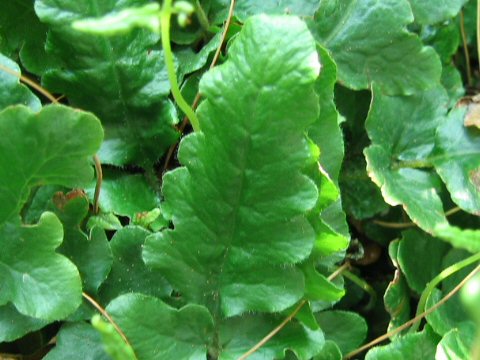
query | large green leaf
[239, 201]
[53, 146]
[38, 281]
[457, 160]
[457, 343]
[121, 79]
[158, 331]
[397, 144]
[435, 11]
[14, 325]
[240, 334]
[369, 42]
[11, 91]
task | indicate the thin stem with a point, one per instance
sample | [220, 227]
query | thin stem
[275, 331]
[415, 319]
[478, 30]
[438, 279]
[104, 313]
[165, 16]
[98, 185]
[465, 49]
[363, 285]
[201, 16]
[196, 101]
[413, 164]
[393, 225]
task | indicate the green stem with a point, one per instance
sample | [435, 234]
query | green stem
[478, 28]
[201, 16]
[165, 16]
[413, 164]
[437, 280]
[363, 285]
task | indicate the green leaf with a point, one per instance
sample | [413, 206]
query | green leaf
[411, 346]
[396, 61]
[78, 341]
[415, 245]
[113, 343]
[347, 329]
[240, 334]
[457, 343]
[158, 331]
[330, 351]
[11, 91]
[247, 8]
[397, 144]
[121, 79]
[125, 194]
[53, 146]
[238, 209]
[90, 253]
[38, 281]
[129, 273]
[435, 11]
[457, 160]
[14, 325]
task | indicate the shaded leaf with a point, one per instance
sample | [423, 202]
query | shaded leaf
[53, 146]
[129, 273]
[121, 79]
[370, 43]
[78, 341]
[14, 325]
[158, 331]
[38, 281]
[435, 11]
[238, 209]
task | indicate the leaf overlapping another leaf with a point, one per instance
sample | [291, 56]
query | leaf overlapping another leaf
[240, 200]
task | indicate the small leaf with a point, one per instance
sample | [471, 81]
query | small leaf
[435, 11]
[78, 341]
[457, 343]
[330, 351]
[38, 281]
[53, 146]
[396, 61]
[11, 91]
[158, 331]
[113, 343]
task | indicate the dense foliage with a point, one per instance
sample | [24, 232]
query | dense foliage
[327, 191]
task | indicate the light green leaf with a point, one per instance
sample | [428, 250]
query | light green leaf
[113, 343]
[397, 144]
[330, 351]
[240, 334]
[53, 146]
[158, 331]
[435, 11]
[396, 61]
[78, 341]
[11, 91]
[125, 194]
[347, 329]
[14, 325]
[239, 208]
[120, 79]
[457, 160]
[38, 281]
[411, 346]
[457, 343]
[415, 245]
[129, 273]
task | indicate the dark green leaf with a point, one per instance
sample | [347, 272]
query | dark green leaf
[78, 341]
[238, 209]
[395, 60]
[121, 79]
[157, 331]
[347, 329]
[52, 146]
[14, 325]
[129, 273]
[38, 281]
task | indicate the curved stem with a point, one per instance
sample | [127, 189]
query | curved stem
[165, 18]
[364, 286]
[465, 49]
[407, 225]
[98, 185]
[438, 279]
[415, 319]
